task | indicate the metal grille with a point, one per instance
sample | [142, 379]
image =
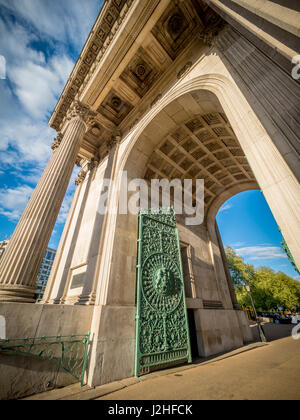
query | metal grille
[66, 352]
[162, 324]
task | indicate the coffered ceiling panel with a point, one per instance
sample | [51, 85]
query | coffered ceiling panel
[205, 147]
[141, 73]
[114, 107]
[175, 28]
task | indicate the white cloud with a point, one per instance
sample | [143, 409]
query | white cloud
[36, 47]
[13, 201]
[25, 141]
[64, 211]
[261, 252]
[225, 207]
[238, 244]
[28, 95]
[37, 86]
[2, 67]
[39, 41]
[67, 20]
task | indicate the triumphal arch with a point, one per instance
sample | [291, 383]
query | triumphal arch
[163, 89]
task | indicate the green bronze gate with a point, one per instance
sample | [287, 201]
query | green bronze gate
[162, 323]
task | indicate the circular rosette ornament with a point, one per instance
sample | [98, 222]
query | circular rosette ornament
[161, 283]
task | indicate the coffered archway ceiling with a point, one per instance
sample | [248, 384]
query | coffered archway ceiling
[121, 93]
[194, 140]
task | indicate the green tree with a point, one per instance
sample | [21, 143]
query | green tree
[270, 290]
[241, 273]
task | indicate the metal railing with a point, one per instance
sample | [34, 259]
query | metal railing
[69, 352]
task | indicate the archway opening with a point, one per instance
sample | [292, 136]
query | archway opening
[190, 139]
[255, 255]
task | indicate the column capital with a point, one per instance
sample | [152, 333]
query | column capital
[55, 145]
[78, 110]
[214, 24]
[115, 139]
[93, 163]
[81, 177]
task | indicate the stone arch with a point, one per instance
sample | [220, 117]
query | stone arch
[116, 269]
[271, 171]
[226, 195]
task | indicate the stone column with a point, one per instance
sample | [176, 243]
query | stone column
[274, 98]
[20, 264]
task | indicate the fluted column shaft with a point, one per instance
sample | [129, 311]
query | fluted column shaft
[20, 263]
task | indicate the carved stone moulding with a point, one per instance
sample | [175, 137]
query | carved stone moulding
[184, 70]
[17, 293]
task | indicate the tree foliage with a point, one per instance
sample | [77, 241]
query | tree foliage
[269, 289]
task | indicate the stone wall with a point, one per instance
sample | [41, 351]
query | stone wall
[24, 376]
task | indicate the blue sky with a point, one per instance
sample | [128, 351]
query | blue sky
[247, 225]
[40, 41]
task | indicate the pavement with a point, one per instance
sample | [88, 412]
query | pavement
[259, 371]
[272, 331]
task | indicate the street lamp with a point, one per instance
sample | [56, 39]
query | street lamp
[261, 333]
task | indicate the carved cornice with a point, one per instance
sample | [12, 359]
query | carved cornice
[109, 20]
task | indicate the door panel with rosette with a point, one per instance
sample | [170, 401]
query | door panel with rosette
[162, 337]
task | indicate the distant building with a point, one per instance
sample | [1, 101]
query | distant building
[44, 271]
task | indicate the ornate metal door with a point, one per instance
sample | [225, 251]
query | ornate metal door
[162, 337]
